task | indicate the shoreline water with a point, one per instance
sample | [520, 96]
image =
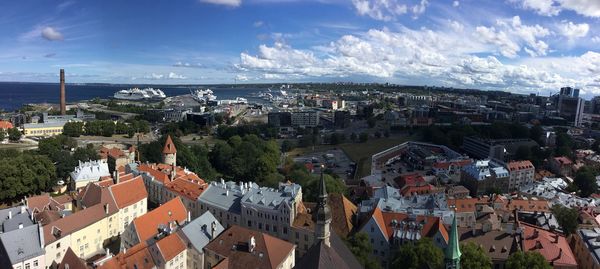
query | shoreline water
[13, 95]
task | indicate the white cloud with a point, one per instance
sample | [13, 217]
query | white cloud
[420, 8]
[187, 64]
[258, 24]
[596, 39]
[456, 26]
[383, 10]
[589, 8]
[542, 7]
[173, 75]
[231, 3]
[51, 34]
[511, 36]
[441, 57]
[572, 30]
[455, 3]
[155, 76]
[241, 78]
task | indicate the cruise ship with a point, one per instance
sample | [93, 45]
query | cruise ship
[140, 94]
[203, 96]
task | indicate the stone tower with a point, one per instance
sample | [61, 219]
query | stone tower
[323, 229]
[452, 255]
[169, 152]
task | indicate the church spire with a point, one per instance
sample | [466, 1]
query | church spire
[452, 255]
[323, 213]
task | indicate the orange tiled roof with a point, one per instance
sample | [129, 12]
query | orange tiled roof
[563, 160]
[526, 205]
[416, 189]
[190, 189]
[5, 124]
[146, 225]
[171, 246]
[129, 192]
[42, 202]
[464, 204]
[553, 246]
[154, 172]
[169, 146]
[137, 256]
[431, 225]
[519, 165]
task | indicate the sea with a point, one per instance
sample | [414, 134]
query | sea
[13, 95]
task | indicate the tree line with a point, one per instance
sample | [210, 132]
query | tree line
[106, 128]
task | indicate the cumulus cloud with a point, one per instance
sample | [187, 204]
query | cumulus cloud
[572, 30]
[589, 8]
[596, 39]
[511, 36]
[420, 8]
[542, 7]
[455, 3]
[173, 75]
[51, 34]
[383, 10]
[231, 3]
[443, 56]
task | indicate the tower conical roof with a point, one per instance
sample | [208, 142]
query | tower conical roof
[169, 146]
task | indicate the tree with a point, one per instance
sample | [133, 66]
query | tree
[287, 145]
[363, 137]
[360, 246]
[14, 134]
[2, 135]
[24, 173]
[585, 180]
[73, 129]
[423, 254]
[474, 257]
[567, 218]
[371, 122]
[527, 260]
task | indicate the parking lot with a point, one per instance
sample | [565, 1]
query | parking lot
[334, 159]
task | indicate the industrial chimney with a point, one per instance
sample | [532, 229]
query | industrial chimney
[63, 104]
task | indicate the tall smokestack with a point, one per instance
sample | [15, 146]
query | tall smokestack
[63, 104]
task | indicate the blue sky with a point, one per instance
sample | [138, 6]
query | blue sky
[515, 45]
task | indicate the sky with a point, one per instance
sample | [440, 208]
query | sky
[522, 46]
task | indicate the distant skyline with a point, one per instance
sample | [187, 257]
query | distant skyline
[522, 46]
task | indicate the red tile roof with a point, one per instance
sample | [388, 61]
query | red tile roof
[154, 172]
[129, 192]
[5, 124]
[137, 256]
[171, 246]
[42, 202]
[408, 189]
[186, 188]
[169, 146]
[553, 246]
[519, 165]
[147, 225]
[464, 204]
[539, 205]
[233, 244]
[77, 221]
[563, 160]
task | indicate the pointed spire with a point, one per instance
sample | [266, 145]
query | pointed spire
[323, 213]
[452, 255]
[169, 146]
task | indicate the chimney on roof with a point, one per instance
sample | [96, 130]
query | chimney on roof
[116, 176]
[41, 231]
[63, 105]
[106, 208]
[251, 244]
[213, 229]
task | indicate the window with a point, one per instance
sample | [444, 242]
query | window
[297, 235]
[35, 263]
[267, 227]
[260, 226]
[284, 230]
[274, 228]
[27, 266]
[249, 223]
